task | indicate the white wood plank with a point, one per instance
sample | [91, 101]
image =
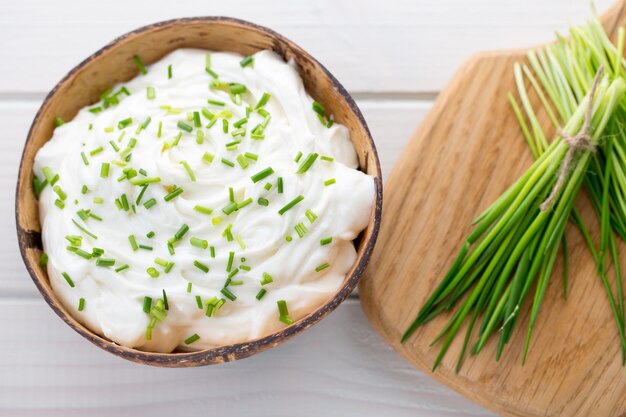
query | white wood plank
[391, 124]
[390, 46]
[340, 367]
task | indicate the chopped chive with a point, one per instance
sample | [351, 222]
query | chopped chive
[96, 252]
[124, 201]
[242, 245]
[147, 304]
[152, 272]
[193, 338]
[262, 174]
[59, 203]
[268, 186]
[263, 201]
[159, 129]
[146, 247]
[203, 210]
[326, 158]
[216, 220]
[290, 204]
[59, 191]
[181, 232]
[81, 304]
[298, 156]
[189, 285]
[150, 93]
[261, 293]
[96, 151]
[150, 203]
[199, 243]
[84, 230]
[225, 125]
[43, 260]
[300, 229]
[175, 193]
[190, 172]
[105, 262]
[231, 258]
[150, 234]
[169, 267]
[228, 294]
[165, 302]
[140, 65]
[244, 203]
[184, 126]
[85, 160]
[212, 250]
[227, 162]
[199, 302]
[326, 241]
[201, 266]
[133, 242]
[121, 268]
[169, 72]
[280, 185]
[251, 156]
[141, 193]
[144, 181]
[84, 190]
[267, 279]
[216, 103]
[263, 101]
[330, 181]
[240, 122]
[310, 215]
[322, 267]
[227, 233]
[319, 109]
[124, 123]
[307, 163]
[104, 170]
[196, 119]
[237, 89]
[282, 308]
[208, 158]
[230, 208]
[249, 60]
[160, 261]
[58, 121]
[68, 279]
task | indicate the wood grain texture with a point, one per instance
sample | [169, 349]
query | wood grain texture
[402, 46]
[349, 370]
[468, 150]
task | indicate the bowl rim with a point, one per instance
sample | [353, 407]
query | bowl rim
[227, 353]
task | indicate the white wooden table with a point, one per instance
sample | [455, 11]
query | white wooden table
[393, 56]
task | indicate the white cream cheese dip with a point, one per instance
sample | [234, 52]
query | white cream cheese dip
[188, 211]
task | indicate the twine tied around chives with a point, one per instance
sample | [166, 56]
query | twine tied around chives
[581, 141]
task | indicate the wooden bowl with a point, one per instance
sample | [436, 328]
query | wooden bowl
[113, 64]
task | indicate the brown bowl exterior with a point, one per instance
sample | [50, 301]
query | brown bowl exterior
[113, 64]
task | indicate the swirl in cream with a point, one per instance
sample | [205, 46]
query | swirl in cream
[262, 241]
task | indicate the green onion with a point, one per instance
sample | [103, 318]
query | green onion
[242, 161]
[147, 304]
[199, 243]
[104, 170]
[280, 185]
[231, 258]
[169, 72]
[203, 210]
[96, 151]
[326, 241]
[150, 93]
[322, 267]
[283, 312]
[267, 279]
[122, 268]
[319, 109]
[189, 285]
[84, 230]
[247, 61]
[193, 338]
[84, 157]
[307, 163]
[227, 162]
[330, 181]
[184, 126]
[199, 302]
[192, 176]
[43, 260]
[59, 203]
[104, 262]
[263, 101]
[326, 158]
[310, 215]
[261, 293]
[181, 232]
[165, 303]
[58, 122]
[68, 279]
[228, 294]
[133, 242]
[201, 266]
[140, 65]
[237, 88]
[212, 250]
[262, 174]
[290, 204]
[208, 158]
[124, 123]
[217, 103]
[150, 203]
[152, 272]
[172, 195]
[263, 201]
[298, 156]
[144, 181]
[81, 304]
[230, 208]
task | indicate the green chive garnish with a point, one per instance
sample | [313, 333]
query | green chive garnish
[169, 72]
[150, 203]
[58, 122]
[262, 174]
[261, 293]
[181, 232]
[283, 312]
[290, 204]
[152, 272]
[85, 160]
[43, 260]
[184, 126]
[104, 262]
[199, 243]
[267, 278]
[199, 302]
[263, 101]
[307, 163]
[193, 338]
[247, 61]
[150, 93]
[322, 267]
[326, 241]
[81, 304]
[121, 268]
[203, 210]
[124, 123]
[144, 181]
[217, 103]
[280, 185]
[227, 162]
[147, 304]
[175, 193]
[330, 181]
[202, 267]
[68, 279]
[231, 258]
[190, 172]
[228, 294]
[140, 65]
[208, 158]
[104, 170]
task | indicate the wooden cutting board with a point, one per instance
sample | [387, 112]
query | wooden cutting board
[468, 150]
